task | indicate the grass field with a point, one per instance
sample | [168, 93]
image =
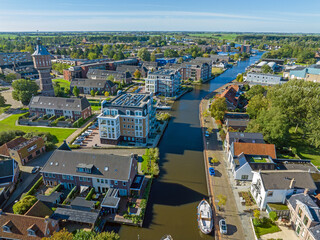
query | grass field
[63, 83]
[226, 36]
[60, 133]
[265, 228]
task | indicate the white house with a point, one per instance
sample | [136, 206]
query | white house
[275, 186]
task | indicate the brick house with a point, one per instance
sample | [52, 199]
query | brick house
[73, 108]
[100, 171]
[85, 85]
[23, 150]
[99, 74]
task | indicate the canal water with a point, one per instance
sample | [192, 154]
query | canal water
[182, 182]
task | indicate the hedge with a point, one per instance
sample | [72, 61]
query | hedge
[70, 195]
[24, 204]
[34, 188]
[89, 196]
[56, 188]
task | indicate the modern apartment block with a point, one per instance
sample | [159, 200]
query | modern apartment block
[246, 48]
[197, 70]
[164, 82]
[10, 59]
[129, 117]
[263, 79]
[73, 108]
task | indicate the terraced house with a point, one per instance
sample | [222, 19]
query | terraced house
[129, 117]
[73, 108]
[85, 85]
[100, 171]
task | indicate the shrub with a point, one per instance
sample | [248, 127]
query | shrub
[24, 204]
[74, 146]
[89, 196]
[70, 195]
[273, 216]
[34, 188]
[97, 204]
[56, 188]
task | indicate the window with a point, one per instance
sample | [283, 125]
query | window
[124, 183]
[71, 177]
[98, 180]
[80, 179]
[244, 177]
[270, 193]
[128, 112]
[115, 182]
[305, 220]
[299, 212]
[6, 229]
[31, 232]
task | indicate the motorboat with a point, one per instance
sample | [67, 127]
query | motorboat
[205, 220]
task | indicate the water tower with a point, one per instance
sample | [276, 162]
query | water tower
[42, 62]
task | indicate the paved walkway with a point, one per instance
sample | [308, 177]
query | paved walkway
[220, 183]
[285, 234]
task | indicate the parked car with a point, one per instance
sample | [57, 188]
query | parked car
[80, 138]
[223, 226]
[210, 161]
[77, 143]
[212, 171]
[35, 169]
[89, 131]
[207, 134]
[85, 134]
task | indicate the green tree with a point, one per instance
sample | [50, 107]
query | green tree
[92, 55]
[218, 108]
[255, 90]
[239, 78]
[256, 104]
[61, 235]
[23, 90]
[24, 204]
[144, 54]
[2, 101]
[180, 60]
[273, 216]
[266, 69]
[106, 94]
[137, 74]
[256, 214]
[110, 77]
[96, 93]
[10, 77]
[92, 93]
[76, 91]
[153, 57]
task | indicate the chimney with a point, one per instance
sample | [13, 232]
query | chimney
[292, 182]
[306, 190]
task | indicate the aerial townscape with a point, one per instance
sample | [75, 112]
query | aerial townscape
[159, 120]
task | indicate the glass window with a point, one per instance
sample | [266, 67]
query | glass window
[98, 180]
[270, 193]
[115, 182]
[305, 220]
[299, 212]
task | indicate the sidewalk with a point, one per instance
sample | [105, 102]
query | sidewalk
[79, 130]
[220, 184]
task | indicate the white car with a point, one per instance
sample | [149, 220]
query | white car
[223, 226]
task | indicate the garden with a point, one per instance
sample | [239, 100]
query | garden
[265, 225]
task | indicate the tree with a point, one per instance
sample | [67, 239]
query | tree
[266, 69]
[92, 55]
[61, 235]
[256, 214]
[23, 90]
[255, 90]
[273, 216]
[106, 94]
[206, 113]
[239, 78]
[92, 93]
[10, 77]
[137, 74]
[144, 54]
[2, 101]
[218, 108]
[153, 57]
[24, 204]
[210, 130]
[110, 78]
[256, 104]
[96, 93]
[180, 60]
[7, 136]
[222, 200]
[76, 91]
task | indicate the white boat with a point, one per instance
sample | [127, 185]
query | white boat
[167, 237]
[205, 220]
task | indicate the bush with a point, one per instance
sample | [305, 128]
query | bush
[56, 188]
[34, 188]
[70, 195]
[78, 123]
[97, 204]
[7, 136]
[89, 196]
[24, 204]
[74, 146]
[273, 216]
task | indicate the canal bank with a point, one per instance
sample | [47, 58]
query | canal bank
[182, 184]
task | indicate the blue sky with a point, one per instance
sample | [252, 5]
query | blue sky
[161, 15]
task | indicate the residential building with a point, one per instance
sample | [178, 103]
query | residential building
[245, 48]
[82, 169]
[128, 117]
[264, 79]
[164, 82]
[313, 77]
[215, 58]
[23, 150]
[231, 94]
[242, 137]
[85, 86]
[275, 186]
[10, 59]
[304, 216]
[301, 72]
[73, 108]
[197, 69]
[238, 148]
[9, 175]
[237, 124]
[99, 74]
[132, 69]
[24, 227]
[225, 48]
[151, 66]
[42, 62]
[164, 61]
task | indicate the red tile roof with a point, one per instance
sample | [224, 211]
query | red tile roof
[4, 149]
[255, 149]
[230, 94]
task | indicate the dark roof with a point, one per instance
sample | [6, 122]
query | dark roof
[49, 198]
[231, 115]
[104, 74]
[39, 209]
[111, 199]
[72, 104]
[305, 199]
[237, 122]
[282, 179]
[6, 170]
[64, 146]
[82, 202]
[315, 231]
[245, 137]
[104, 165]
[137, 182]
[4, 149]
[308, 167]
[75, 215]
[91, 83]
[40, 50]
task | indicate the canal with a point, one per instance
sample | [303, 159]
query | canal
[182, 182]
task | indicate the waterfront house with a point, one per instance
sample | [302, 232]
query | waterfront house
[274, 186]
[242, 137]
[264, 79]
[231, 94]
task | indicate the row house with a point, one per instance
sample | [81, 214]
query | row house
[129, 118]
[85, 86]
[73, 108]
[82, 169]
[23, 150]
[118, 76]
[164, 82]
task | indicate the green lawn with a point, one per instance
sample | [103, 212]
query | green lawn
[5, 108]
[63, 83]
[60, 133]
[277, 206]
[265, 228]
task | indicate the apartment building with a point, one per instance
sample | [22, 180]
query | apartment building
[82, 169]
[246, 48]
[165, 82]
[197, 70]
[73, 108]
[10, 59]
[263, 79]
[129, 117]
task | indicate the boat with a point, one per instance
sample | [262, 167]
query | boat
[205, 220]
[167, 237]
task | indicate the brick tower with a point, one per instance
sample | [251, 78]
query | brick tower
[42, 62]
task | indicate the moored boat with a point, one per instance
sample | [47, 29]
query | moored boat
[205, 220]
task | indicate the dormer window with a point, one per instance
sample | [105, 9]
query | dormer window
[31, 232]
[6, 229]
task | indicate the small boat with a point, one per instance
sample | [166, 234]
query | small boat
[167, 237]
[205, 220]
